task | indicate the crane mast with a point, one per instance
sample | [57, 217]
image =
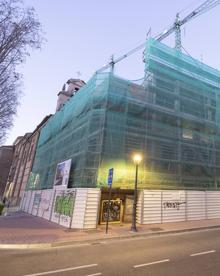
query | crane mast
[178, 44]
[207, 5]
[175, 27]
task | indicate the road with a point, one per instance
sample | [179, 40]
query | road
[192, 253]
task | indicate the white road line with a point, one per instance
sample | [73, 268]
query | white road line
[202, 253]
[61, 270]
[157, 262]
[96, 274]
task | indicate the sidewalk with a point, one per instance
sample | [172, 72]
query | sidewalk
[20, 230]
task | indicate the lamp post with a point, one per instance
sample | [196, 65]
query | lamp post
[137, 158]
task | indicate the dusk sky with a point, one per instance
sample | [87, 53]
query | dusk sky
[82, 35]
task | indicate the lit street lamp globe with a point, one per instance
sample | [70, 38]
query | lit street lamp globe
[137, 158]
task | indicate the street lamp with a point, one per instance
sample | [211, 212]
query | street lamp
[137, 158]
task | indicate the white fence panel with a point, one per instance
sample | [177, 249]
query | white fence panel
[151, 207]
[196, 205]
[31, 202]
[45, 206]
[55, 217]
[36, 202]
[22, 206]
[140, 201]
[79, 209]
[92, 207]
[173, 206]
[22, 200]
[27, 201]
[213, 204]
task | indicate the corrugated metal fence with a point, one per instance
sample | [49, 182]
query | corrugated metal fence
[157, 206]
[82, 213]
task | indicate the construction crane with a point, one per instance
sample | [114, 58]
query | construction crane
[175, 27]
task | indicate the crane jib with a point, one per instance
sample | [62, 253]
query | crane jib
[204, 7]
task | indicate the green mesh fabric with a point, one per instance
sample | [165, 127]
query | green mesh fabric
[172, 119]
[74, 132]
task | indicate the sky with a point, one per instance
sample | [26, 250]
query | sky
[82, 35]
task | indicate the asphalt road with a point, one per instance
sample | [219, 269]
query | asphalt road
[193, 253]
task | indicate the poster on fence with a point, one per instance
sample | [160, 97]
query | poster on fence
[115, 211]
[63, 207]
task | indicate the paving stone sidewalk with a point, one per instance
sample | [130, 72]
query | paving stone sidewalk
[22, 228]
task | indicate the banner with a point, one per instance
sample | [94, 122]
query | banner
[62, 174]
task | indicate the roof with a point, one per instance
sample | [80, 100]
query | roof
[74, 80]
[42, 123]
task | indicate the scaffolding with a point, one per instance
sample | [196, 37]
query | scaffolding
[172, 119]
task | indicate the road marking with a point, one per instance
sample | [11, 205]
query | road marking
[157, 262]
[96, 274]
[202, 253]
[61, 270]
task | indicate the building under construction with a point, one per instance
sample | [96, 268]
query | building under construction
[172, 119]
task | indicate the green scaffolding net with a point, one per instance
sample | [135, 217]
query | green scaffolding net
[172, 119]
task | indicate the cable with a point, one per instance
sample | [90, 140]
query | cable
[138, 79]
[188, 6]
[197, 62]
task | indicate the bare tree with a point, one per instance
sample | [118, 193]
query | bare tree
[20, 31]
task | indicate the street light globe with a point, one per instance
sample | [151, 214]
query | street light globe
[137, 158]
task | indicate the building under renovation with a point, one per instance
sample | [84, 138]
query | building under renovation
[171, 118]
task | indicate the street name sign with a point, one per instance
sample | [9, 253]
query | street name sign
[110, 176]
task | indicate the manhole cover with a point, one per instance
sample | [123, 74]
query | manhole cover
[96, 243]
[92, 231]
[156, 229]
[71, 230]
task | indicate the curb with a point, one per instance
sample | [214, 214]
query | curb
[97, 241]
[133, 235]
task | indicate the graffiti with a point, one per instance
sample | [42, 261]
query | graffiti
[45, 204]
[173, 204]
[64, 204]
